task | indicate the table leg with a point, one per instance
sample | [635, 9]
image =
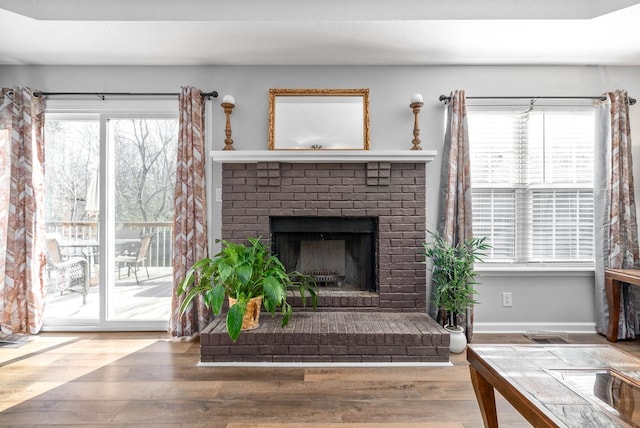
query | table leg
[612, 289]
[486, 398]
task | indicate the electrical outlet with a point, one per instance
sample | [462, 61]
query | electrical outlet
[218, 194]
[507, 299]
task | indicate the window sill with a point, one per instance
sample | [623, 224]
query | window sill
[487, 270]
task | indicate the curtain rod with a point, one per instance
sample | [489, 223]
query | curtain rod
[446, 99]
[102, 95]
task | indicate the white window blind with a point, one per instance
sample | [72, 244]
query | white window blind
[532, 183]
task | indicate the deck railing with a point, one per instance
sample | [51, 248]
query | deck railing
[161, 246]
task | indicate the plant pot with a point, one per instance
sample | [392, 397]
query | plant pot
[458, 341]
[251, 318]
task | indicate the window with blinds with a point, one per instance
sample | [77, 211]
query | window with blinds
[532, 184]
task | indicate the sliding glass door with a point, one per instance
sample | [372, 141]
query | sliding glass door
[110, 177]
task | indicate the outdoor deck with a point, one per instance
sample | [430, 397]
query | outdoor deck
[149, 300]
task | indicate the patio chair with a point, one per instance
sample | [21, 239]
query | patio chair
[134, 256]
[71, 274]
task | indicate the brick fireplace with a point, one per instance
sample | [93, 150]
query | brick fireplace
[375, 192]
[391, 193]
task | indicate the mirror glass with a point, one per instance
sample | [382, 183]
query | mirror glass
[319, 119]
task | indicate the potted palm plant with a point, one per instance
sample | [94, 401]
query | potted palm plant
[250, 276]
[454, 278]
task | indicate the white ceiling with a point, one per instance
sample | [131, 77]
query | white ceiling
[317, 32]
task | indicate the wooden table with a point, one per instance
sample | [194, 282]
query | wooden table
[558, 385]
[612, 284]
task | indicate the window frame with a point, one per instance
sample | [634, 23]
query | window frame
[523, 229]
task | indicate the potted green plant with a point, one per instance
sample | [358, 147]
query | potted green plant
[454, 278]
[250, 276]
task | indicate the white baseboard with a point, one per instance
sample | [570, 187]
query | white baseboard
[522, 327]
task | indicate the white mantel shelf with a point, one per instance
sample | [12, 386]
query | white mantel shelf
[323, 156]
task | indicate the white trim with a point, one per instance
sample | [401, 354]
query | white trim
[55, 325]
[522, 327]
[323, 156]
[331, 365]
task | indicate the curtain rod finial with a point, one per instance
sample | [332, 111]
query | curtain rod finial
[209, 95]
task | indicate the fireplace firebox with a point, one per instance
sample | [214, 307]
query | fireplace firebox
[339, 252]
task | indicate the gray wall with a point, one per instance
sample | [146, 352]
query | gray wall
[541, 301]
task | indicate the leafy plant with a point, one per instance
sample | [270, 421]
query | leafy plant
[453, 274]
[242, 272]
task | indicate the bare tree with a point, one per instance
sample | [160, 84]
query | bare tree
[69, 150]
[144, 165]
[145, 169]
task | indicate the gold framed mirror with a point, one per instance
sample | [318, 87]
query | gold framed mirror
[319, 119]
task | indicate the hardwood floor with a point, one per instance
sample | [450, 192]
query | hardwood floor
[149, 380]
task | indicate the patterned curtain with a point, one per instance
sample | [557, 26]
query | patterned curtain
[190, 220]
[615, 211]
[22, 234]
[455, 220]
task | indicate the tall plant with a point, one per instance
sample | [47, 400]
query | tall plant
[453, 274]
